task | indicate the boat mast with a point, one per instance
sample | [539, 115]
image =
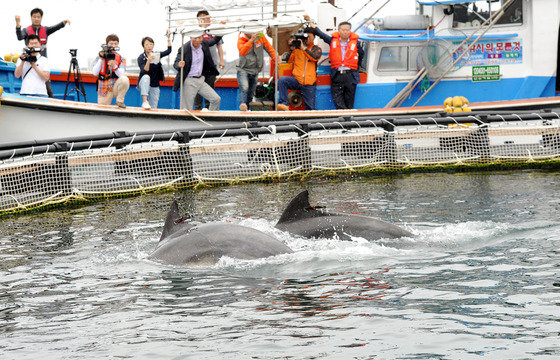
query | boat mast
[275, 15]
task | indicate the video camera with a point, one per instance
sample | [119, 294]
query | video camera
[300, 37]
[28, 54]
[73, 52]
[109, 51]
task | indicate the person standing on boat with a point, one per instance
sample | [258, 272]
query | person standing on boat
[34, 70]
[110, 69]
[251, 48]
[196, 61]
[216, 51]
[345, 55]
[42, 31]
[304, 56]
[151, 72]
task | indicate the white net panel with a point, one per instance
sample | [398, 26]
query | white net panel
[45, 179]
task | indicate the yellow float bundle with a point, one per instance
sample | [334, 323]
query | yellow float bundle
[11, 57]
[456, 104]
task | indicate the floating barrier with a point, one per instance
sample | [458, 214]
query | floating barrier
[40, 174]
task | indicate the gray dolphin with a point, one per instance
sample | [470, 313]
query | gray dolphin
[300, 218]
[182, 243]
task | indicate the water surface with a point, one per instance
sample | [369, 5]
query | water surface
[475, 282]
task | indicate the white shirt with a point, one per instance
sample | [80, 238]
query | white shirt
[32, 83]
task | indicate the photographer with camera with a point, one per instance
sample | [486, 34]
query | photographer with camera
[110, 68]
[42, 31]
[33, 68]
[251, 48]
[304, 55]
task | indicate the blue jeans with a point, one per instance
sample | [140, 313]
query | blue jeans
[247, 85]
[150, 91]
[286, 83]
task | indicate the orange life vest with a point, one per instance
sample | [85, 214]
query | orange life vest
[350, 58]
[42, 33]
[104, 68]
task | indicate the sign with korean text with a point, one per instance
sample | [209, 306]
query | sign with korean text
[494, 52]
[486, 73]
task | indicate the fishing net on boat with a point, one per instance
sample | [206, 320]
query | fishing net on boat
[439, 55]
[341, 147]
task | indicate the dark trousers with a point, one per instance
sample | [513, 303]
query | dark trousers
[343, 90]
[49, 89]
[210, 80]
[286, 83]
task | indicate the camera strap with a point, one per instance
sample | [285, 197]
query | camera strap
[27, 72]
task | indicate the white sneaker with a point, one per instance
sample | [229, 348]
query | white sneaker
[146, 105]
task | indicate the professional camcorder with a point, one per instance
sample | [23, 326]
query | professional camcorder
[109, 51]
[299, 39]
[28, 54]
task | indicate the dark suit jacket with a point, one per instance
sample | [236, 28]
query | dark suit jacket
[208, 68]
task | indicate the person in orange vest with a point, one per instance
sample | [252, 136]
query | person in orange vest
[37, 29]
[304, 54]
[42, 31]
[345, 55]
[251, 48]
[110, 69]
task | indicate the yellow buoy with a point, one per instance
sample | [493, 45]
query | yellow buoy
[464, 100]
[15, 57]
[457, 102]
[467, 109]
[8, 57]
[448, 102]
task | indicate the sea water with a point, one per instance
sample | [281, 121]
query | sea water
[479, 279]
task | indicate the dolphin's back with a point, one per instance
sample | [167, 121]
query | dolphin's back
[206, 244]
[343, 226]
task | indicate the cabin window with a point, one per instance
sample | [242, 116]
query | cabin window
[472, 15]
[393, 58]
[399, 58]
[364, 62]
[413, 54]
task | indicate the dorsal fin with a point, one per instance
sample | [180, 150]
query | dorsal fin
[297, 208]
[171, 220]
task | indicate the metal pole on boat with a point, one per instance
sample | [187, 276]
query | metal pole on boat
[182, 69]
[499, 14]
[169, 30]
[276, 67]
[372, 15]
[275, 15]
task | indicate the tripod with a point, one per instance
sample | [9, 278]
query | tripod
[74, 69]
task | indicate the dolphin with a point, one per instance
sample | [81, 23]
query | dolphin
[300, 218]
[182, 243]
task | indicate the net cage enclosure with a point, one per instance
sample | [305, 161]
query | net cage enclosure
[38, 175]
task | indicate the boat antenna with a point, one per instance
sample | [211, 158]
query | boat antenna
[360, 9]
[372, 15]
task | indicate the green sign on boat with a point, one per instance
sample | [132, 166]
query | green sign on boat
[486, 73]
